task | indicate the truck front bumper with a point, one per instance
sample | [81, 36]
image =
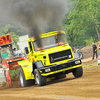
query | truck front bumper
[50, 70]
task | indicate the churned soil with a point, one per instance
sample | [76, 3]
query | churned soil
[14, 84]
[86, 87]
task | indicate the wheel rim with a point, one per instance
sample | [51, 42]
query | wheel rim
[80, 55]
[21, 80]
[37, 78]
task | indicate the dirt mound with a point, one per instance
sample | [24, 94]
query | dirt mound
[88, 51]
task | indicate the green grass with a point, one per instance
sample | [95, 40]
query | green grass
[95, 64]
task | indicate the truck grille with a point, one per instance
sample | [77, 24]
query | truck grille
[59, 56]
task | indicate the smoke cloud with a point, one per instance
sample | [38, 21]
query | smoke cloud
[35, 15]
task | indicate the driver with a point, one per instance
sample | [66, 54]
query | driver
[56, 38]
[4, 54]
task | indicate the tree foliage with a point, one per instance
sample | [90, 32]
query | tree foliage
[7, 30]
[83, 21]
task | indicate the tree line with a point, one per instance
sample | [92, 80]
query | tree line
[82, 23]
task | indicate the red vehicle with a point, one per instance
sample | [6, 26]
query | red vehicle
[9, 63]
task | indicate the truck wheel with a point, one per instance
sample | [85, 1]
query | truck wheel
[78, 72]
[40, 80]
[23, 82]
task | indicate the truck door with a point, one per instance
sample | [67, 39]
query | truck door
[31, 52]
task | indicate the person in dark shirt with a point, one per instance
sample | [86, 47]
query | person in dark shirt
[94, 51]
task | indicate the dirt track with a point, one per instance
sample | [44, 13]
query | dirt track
[85, 88]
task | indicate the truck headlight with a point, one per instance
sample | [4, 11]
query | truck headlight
[70, 56]
[47, 70]
[77, 62]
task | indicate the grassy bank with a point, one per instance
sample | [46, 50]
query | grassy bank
[94, 64]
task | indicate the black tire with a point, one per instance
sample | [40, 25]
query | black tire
[78, 72]
[23, 82]
[40, 80]
[60, 76]
[80, 54]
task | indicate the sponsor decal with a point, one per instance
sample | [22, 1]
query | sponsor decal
[60, 57]
[29, 66]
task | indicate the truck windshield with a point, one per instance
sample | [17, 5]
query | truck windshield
[52, 41]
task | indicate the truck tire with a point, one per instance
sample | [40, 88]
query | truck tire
[23, 81]
[78, 72]
[40, 80]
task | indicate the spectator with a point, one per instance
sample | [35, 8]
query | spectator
[94, 51]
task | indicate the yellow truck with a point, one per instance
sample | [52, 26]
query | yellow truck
[54, 59]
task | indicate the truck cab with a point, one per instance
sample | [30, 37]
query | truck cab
[53, 57]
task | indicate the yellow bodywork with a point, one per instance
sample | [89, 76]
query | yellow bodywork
[27, 68]
[38, 56]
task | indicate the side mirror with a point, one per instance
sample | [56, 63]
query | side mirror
[26, 50]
